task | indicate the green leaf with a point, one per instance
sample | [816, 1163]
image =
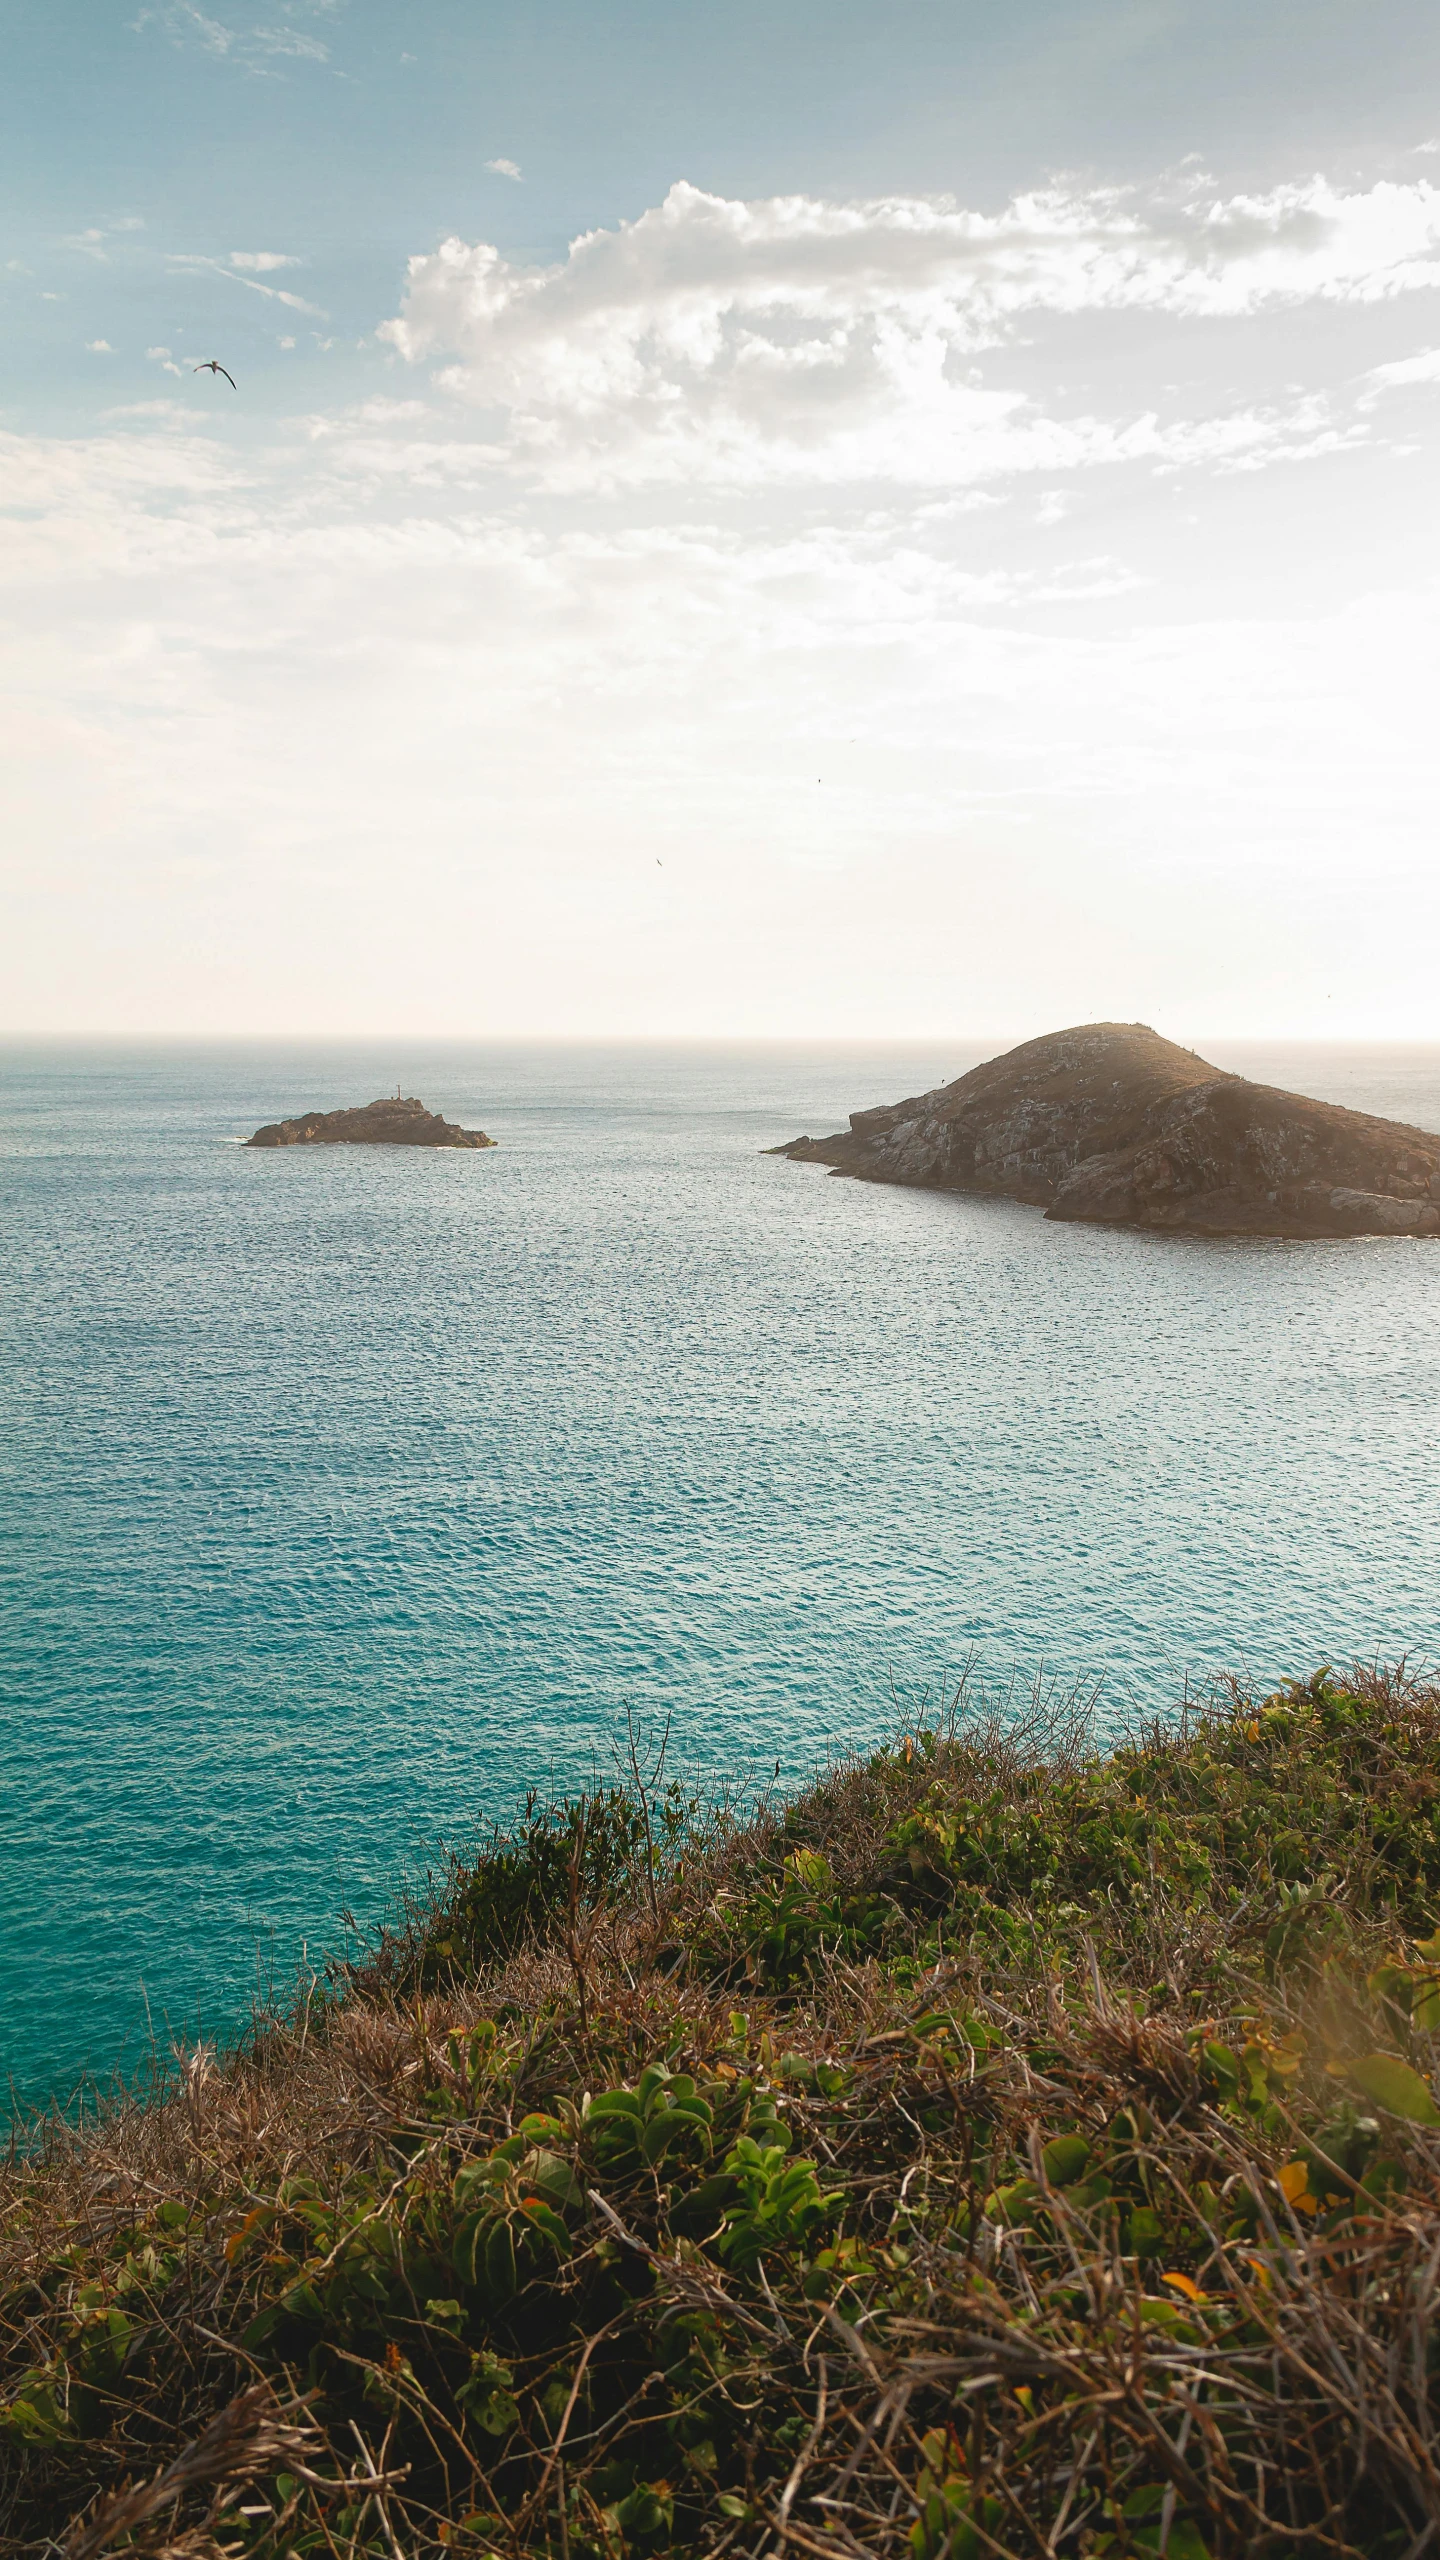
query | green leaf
[500, 2259]
[648, 2511]
[1146, 2232]
[552, 2177]
[813, 1870]
[1144, 2502]
[1014, 2203]
[487, 2397]
[703, 2207]
[1182, 2540]
[35, 2416]
[797, 2181]
[1089, 2193]
[1395, 2087]
[478, 2180]
[1065, 2158]
[542, 2219]
[1166, 2315]
[468, 2249]
[1384, 2179]
[664, 2129]
[1224, 2066]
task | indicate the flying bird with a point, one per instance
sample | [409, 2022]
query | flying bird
[212, 367]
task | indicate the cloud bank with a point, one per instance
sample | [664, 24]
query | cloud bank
[795, 339]
[999, 619]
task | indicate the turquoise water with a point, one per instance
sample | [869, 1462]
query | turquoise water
[345, 1493]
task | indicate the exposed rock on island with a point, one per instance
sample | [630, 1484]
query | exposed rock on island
[1110, 1124]
[389, 1123]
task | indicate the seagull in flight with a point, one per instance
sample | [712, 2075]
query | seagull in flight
[212, 367]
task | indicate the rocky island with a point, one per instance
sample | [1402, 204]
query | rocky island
[1110, 1124]
[392, 1122]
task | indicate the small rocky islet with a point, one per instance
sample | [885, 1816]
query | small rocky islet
[394, 1121]
[1110, 1124]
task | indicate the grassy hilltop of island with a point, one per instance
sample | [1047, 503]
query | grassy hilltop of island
[1006, 2147]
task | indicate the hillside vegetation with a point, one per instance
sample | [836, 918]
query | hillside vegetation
[1007, 2147]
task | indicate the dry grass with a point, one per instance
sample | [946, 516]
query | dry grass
[1006, 2148]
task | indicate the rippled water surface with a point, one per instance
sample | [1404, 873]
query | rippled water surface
[345, 1492]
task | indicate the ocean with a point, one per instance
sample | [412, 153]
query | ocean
[347, 1493]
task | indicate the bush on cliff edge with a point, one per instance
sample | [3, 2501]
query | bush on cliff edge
[1005, 2148]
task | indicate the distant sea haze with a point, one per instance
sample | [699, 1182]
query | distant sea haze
[346, 1492]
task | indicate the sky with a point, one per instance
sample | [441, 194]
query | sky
[807, 520]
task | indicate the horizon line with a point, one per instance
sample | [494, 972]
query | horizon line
[129, 1038]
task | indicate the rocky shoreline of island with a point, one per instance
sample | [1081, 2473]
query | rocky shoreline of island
[395, 1121]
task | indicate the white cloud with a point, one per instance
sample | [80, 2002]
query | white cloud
[796, 339]
[92, 243]
[1424, 367]
[1026, 777]
[182, 22]
[289, 40]
[183, 260]
[169, 413]
[98, 347]
[504, 169]
[261, 262]
[1114, 745]
[250, 45]
[121, 497]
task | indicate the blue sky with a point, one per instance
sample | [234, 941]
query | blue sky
[369, 140]
[877, 520]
